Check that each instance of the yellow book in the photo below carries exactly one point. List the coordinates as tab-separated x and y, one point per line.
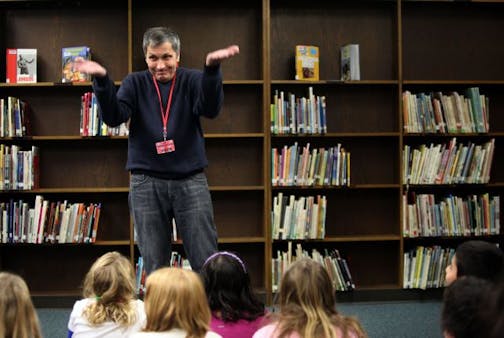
313	162
307	63
418	267
323	166
454	164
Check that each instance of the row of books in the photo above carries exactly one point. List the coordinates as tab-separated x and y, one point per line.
295	166
448	163
298	115
19	169
14	117
176	260
436	112
424	267
307	62
91	123
451	216
335	265
21	64
15	121
302	218
49	222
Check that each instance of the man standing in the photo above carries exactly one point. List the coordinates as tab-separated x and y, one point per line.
166	148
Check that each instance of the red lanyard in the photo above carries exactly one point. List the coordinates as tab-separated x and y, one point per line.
164	115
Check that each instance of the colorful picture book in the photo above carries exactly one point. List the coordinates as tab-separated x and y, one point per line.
68	55
350	68
307	63
21	65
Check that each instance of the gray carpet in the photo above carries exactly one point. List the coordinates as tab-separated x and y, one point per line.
397	319
380	320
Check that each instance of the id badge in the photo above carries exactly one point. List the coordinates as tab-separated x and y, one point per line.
164	147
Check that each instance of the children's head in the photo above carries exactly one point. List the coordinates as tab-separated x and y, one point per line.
498	297
476	258
227	284
466	310
18	317
111	282
306	283
175	298
110	279
307	301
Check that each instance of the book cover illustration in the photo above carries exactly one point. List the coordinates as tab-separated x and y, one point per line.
68	55
307	63
21	65
350	68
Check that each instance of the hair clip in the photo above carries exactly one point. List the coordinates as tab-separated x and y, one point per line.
226	253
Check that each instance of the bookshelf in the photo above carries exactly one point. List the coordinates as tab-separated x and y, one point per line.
404	45
445	67
361	115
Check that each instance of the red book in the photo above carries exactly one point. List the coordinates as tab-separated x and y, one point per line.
21	65
11	74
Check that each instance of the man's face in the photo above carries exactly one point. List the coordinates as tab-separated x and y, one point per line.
162	61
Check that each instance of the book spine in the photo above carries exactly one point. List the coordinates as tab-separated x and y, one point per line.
11	69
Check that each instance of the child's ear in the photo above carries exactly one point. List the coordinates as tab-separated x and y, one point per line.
447	334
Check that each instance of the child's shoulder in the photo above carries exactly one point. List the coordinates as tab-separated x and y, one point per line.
140	310
211	334
82	303
138	302
266	331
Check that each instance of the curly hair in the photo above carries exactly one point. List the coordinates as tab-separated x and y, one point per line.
111	282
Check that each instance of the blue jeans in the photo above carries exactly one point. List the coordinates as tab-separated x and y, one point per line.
154	202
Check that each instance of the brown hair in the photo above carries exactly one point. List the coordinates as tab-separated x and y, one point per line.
111	281
18	318
175	298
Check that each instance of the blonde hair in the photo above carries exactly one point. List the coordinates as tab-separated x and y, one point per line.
354	326
18	318
175	298
111	282
308	304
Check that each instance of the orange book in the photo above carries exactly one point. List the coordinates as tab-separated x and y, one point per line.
68	55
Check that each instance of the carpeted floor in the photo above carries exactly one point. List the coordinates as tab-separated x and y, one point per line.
381	320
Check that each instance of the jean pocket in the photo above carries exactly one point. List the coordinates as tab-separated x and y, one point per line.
138	179
199	178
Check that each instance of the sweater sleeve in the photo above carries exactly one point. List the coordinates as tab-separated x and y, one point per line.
114	107
211	93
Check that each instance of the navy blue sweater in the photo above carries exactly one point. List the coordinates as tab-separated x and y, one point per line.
196	93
